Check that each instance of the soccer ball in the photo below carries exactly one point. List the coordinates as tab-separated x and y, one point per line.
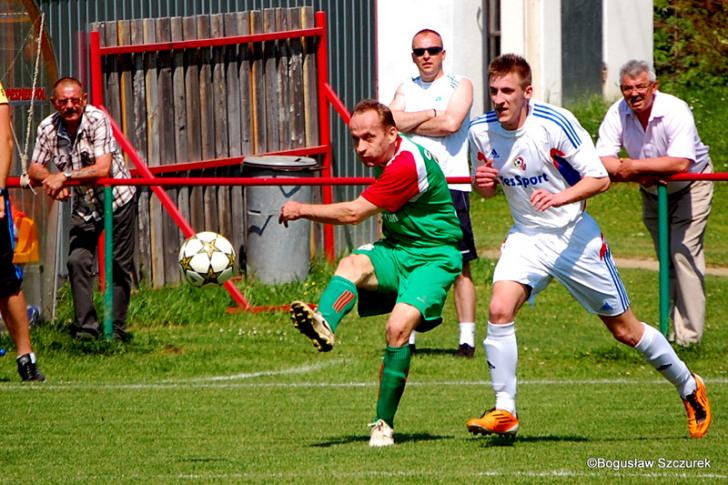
207	258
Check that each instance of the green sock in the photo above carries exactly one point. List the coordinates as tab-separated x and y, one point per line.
338	299
392	381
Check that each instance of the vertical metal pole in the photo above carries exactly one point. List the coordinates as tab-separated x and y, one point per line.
322	65
664	256
97	90
108	267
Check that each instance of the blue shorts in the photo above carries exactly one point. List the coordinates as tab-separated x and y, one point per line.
461	200
11	275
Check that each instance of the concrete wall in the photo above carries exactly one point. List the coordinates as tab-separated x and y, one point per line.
459	22
532	28
628	34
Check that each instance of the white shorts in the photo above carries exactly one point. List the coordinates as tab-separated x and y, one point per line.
577	256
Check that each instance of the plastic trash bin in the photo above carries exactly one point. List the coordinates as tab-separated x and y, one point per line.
274	253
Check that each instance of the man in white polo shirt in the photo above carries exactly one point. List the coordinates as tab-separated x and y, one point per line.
658	133
433	109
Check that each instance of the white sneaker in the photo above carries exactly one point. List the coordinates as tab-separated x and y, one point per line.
312	325
382	434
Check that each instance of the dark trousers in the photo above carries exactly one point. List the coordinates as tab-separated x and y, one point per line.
83	242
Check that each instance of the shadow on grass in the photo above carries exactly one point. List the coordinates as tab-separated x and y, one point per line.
202	459
426	352
399	438
505	441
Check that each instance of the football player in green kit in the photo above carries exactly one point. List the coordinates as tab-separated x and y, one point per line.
408	272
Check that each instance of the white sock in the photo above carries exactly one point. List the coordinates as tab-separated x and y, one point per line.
655	348
467	333
413	337
501	351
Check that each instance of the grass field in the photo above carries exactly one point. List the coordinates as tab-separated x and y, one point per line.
205	396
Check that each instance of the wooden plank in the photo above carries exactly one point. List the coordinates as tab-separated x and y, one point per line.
139	97
192	89
179	94
215	196
310	91
232	85
126	67
246	108
139	135
283	96
172	235
192	98
207	117
207	126
166	96
237	193
168	155
231	23
219	87
258	85
295	83
109	37
156	233
271	82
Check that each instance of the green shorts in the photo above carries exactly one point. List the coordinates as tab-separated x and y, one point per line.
420	277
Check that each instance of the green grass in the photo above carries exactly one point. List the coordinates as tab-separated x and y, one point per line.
206	396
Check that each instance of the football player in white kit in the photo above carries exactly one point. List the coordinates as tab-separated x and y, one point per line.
547	166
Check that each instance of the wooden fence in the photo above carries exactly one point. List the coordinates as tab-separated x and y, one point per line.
211	104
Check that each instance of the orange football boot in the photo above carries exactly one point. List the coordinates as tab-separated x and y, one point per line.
494	421
698	409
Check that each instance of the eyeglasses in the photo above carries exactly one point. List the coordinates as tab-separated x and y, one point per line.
63	102
433	51
640	88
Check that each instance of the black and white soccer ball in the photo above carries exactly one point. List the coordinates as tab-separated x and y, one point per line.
206	258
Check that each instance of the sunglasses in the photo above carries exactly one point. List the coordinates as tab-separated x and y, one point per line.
433	51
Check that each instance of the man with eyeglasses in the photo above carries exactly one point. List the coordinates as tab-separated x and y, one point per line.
434	110
659	135
78	141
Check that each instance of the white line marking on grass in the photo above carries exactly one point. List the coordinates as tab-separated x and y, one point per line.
228	382
304	369
436	477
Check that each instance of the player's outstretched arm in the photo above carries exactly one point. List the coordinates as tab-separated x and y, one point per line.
582	190
350	212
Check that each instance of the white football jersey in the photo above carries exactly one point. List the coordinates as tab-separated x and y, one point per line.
551	151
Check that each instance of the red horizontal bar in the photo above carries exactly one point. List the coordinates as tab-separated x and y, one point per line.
228	162
215	42
231	181
699	176
14	182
